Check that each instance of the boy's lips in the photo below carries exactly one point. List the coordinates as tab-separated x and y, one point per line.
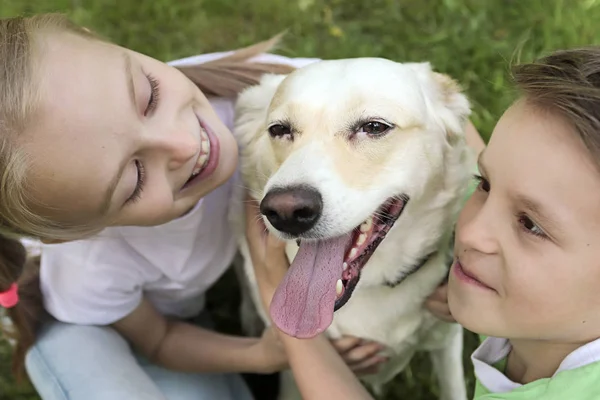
464	275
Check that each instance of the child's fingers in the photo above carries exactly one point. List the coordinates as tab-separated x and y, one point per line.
345	343
437	307
369	365
368	371
255	227
257	232
440	293
440	310
275	246
360	353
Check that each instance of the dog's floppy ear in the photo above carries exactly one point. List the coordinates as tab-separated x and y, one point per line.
450	104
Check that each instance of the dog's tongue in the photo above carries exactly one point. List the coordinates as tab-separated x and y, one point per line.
303	303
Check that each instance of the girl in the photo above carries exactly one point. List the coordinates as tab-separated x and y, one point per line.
123	168
526	270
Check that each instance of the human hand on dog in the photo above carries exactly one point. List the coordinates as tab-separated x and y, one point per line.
437	303
271	352
266	251
361	356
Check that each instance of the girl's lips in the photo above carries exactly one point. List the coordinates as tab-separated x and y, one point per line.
467	277
213	159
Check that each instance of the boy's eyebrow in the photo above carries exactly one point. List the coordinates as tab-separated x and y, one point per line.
106	203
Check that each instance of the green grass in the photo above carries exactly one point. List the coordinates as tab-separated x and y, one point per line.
472	40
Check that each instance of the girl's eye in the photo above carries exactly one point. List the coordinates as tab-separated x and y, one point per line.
139	187
154	93
483	184
529	226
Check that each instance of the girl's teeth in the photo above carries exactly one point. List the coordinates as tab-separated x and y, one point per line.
196	171
201	161
204	142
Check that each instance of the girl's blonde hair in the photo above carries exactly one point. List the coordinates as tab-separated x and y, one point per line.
19	48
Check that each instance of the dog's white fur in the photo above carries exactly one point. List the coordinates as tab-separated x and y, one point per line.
424	156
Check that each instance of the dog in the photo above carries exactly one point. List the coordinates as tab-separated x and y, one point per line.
361	165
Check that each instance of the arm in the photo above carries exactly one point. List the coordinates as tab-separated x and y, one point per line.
185	347
319	370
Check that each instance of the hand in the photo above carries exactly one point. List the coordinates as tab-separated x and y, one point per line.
267	253
271	352
437	303
361	356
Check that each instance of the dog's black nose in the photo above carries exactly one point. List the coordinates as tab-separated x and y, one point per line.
293	210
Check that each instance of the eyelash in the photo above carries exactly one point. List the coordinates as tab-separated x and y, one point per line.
480	182
154	95
522	218
139	187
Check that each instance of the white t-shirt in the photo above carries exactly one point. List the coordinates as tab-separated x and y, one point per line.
100	280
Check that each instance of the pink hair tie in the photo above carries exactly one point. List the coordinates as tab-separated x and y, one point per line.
10	297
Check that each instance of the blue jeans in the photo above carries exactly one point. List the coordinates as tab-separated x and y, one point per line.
77	362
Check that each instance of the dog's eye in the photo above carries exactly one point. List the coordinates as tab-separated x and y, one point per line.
374	128
279	130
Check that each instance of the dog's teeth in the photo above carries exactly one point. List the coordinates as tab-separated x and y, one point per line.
339	287
345	266
361	239
353	253
366	226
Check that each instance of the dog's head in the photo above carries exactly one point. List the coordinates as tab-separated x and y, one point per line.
334	154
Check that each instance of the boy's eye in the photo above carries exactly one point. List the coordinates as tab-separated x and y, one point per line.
483	184
154	94
529	226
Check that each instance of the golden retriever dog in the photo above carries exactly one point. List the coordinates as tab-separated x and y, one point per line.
362	166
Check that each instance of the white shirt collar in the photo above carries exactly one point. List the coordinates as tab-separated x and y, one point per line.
494	349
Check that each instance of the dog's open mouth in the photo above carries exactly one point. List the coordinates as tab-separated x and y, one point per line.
325	272
365	239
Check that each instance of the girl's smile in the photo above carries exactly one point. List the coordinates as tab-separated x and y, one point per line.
157	144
